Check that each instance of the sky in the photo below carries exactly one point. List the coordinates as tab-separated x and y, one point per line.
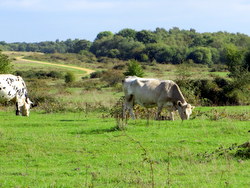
49	20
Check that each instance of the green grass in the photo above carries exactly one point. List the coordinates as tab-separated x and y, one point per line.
81	150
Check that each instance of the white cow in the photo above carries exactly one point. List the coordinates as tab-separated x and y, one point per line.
149	92
13	88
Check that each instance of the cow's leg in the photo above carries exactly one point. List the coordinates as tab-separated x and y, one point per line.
128	107
17	109
171	115
158	115
131	112
129	104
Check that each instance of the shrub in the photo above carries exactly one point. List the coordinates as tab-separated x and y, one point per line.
5	66
39	74
119	67
96	74
134	69
69	77
112	77
218	91
54	74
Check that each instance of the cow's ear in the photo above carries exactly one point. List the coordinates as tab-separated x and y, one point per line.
179	103
33	105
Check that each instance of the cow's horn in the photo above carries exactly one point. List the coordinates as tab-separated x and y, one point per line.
179	103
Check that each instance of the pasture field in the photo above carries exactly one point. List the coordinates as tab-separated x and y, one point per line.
85	149
23	60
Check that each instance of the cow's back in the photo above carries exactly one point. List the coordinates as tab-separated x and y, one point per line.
11	86
144	91
150	92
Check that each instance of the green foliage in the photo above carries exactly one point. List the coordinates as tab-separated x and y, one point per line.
238	64
39	74
201	55
234	57
69	77
163	46
218	91
117	47
81	45
183	73
104	34
247	61
127	33
112	77
96	74
134	69
145	36
5	66
68	46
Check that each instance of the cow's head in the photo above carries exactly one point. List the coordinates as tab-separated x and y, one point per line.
185	110
25	110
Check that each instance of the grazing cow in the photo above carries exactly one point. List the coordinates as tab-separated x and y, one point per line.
13	88
149	92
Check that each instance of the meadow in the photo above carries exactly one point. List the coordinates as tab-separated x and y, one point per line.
86	149
72	139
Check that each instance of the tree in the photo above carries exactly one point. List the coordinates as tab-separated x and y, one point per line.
127	33
247	61
134	69
145	37
104	34
234	60
81	45
201	55
5	66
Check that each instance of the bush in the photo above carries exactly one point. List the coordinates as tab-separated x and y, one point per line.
218	91
5	66
96	74
134	69
69	77
112	77
55	74
38	74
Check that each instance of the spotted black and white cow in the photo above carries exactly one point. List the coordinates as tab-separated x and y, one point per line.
13	88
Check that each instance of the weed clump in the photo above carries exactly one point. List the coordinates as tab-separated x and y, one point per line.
241	151
117	113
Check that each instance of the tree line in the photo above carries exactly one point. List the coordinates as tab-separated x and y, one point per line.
173	46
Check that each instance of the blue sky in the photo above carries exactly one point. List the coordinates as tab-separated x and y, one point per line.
48	20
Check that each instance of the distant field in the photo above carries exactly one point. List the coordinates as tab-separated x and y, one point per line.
21	64
161	71
85	150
